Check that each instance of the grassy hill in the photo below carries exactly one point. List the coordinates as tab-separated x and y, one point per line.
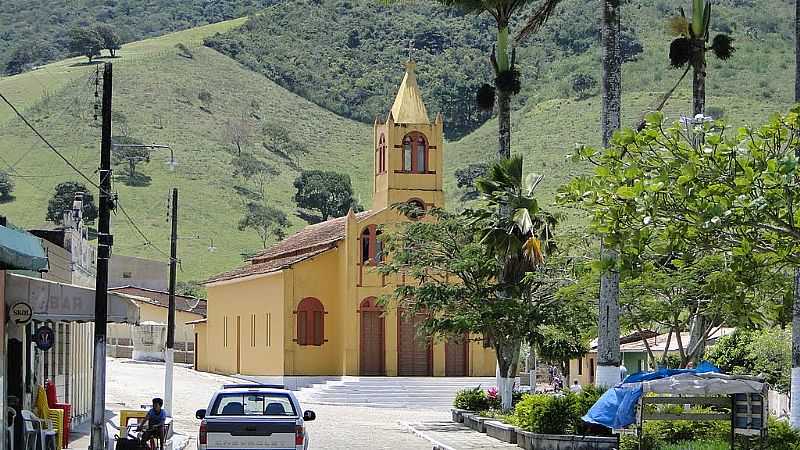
158	89
36	30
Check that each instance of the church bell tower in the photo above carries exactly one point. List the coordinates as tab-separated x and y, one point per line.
409	160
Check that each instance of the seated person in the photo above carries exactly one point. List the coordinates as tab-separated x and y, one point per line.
153	423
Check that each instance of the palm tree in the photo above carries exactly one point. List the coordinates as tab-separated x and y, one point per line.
608	352
503	57
519	235
690	47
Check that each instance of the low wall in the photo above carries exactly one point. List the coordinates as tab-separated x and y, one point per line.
533	441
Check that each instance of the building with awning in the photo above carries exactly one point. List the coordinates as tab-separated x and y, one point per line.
58	302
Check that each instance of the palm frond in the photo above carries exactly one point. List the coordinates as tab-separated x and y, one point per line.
532	249
537	20
722	46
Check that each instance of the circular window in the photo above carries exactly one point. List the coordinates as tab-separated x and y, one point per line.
416	209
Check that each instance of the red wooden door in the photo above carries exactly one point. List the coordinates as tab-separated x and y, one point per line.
414	356
455	357
372	353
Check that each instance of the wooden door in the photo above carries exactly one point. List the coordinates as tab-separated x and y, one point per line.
373	349
414	355
455	357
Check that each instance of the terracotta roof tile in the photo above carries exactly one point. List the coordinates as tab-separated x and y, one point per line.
308	239
160	298
306	243
270	266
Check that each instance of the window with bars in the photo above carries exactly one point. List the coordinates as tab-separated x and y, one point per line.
310	322
371	246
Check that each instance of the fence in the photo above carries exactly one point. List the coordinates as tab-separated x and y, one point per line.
778	405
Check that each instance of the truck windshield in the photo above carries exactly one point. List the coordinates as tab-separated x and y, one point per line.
253	404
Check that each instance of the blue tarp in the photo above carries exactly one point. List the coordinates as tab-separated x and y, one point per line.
21	250
616	408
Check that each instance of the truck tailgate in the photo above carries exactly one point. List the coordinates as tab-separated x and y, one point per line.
249	434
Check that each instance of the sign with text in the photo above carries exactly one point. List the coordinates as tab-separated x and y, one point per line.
20	313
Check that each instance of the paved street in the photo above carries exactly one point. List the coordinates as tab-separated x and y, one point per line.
131	384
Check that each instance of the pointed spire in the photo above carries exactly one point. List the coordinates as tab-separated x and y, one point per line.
408	106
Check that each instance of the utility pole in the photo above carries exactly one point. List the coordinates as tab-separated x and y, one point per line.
104	242
170	351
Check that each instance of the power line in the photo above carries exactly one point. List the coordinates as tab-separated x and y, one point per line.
133	223
60	155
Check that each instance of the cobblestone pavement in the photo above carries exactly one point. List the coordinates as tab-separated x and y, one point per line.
446	435
130	385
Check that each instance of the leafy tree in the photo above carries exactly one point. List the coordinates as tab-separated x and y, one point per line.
266	221
253	169
483	271
466	178
749	352
583	84
330	193
62	200
21	60
129	153
6	186
697	187
111	40
689	49
86	42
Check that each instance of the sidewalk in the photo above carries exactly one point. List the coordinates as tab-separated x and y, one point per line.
447	435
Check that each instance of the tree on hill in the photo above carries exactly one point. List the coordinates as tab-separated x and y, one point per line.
111	40
466	178
253	169
126	151
330	193
86	42
238	131
266	221
6	186
62	199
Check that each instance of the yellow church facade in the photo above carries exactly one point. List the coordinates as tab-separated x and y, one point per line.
308	306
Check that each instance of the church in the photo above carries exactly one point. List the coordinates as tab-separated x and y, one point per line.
308	306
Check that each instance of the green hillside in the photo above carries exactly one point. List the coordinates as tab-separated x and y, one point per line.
157	90
189	97
36	30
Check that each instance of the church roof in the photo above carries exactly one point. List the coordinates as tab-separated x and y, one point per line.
306	243
408	106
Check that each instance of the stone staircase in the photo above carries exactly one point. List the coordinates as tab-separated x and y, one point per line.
392	392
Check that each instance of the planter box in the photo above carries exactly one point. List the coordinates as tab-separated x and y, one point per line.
458	414
502	431
477	423
531	441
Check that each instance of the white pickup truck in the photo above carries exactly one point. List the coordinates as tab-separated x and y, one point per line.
250	417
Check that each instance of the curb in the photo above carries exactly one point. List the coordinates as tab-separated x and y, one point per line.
436	444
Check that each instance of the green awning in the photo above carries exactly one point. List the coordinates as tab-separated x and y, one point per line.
20	250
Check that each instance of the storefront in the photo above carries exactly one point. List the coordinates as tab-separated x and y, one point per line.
68	311
18	251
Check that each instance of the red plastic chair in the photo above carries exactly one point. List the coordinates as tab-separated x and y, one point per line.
52	401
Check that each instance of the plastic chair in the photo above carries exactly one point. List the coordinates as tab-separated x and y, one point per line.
52	402
54	417
36	432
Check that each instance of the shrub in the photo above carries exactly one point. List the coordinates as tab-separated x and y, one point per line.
766	352
471	399
584	400
780	436
547	414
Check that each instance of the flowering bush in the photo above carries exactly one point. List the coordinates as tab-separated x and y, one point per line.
471	399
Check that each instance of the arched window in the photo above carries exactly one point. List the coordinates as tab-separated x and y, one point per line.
310	322
380	160
371	246
415	153
416	210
